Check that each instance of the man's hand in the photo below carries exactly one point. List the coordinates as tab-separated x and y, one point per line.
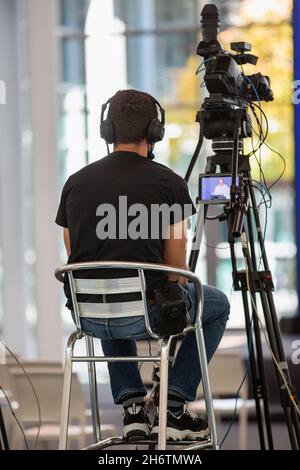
180	279
175	249
67	241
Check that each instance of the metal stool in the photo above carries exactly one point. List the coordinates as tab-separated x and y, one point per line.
127	309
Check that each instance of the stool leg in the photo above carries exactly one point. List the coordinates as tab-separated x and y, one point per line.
206	385
65	409
93	389
163	394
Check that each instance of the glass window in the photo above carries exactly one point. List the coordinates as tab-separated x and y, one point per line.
73	13
176	13
71	90
72	60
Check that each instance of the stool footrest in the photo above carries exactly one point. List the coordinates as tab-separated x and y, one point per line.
113	441
116	359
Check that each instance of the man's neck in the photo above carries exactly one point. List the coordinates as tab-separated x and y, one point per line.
140	148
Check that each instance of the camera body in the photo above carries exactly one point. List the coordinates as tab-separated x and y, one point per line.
171	309
223	75
229	88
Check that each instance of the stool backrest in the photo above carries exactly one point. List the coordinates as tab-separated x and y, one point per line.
106	286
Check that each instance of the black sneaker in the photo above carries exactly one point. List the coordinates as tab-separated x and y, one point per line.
186	426
136	423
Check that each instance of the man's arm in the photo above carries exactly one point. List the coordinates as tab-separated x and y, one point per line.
67	241
175	249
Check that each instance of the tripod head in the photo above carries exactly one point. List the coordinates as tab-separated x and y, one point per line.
220	113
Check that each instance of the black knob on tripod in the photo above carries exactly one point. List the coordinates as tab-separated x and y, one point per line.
237	225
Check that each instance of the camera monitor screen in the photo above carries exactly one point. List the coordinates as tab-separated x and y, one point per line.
215	189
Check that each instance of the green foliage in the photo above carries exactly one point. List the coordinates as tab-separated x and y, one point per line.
272	43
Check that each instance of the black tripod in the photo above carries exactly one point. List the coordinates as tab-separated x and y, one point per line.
243	219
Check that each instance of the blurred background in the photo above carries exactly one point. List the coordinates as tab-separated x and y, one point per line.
60	60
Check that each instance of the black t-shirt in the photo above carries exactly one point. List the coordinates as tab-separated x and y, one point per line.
93	194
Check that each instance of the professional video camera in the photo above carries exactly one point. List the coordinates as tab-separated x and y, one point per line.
224	118
228	86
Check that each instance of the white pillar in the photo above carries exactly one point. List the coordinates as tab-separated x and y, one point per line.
11	187
42	22
105	50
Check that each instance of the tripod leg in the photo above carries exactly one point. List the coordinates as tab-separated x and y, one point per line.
197	236
274	348
263	387
295	420
200	119
283	363
254	372
273	332
252	267
255	350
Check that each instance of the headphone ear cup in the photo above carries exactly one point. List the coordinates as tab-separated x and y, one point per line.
107	131
156	131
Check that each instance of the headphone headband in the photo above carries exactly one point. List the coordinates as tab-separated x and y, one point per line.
161	110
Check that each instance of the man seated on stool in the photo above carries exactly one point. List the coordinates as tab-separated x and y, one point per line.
134	122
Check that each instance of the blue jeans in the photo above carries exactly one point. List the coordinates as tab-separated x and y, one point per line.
118	339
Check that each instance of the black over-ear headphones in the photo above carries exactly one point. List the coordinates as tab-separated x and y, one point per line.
156	128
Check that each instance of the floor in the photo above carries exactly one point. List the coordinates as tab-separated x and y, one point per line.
113	415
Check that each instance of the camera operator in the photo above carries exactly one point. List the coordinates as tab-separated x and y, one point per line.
133	118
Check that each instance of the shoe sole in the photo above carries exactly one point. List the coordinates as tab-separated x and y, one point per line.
136	431
185	435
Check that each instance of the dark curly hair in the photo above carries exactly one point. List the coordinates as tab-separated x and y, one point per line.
131	112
